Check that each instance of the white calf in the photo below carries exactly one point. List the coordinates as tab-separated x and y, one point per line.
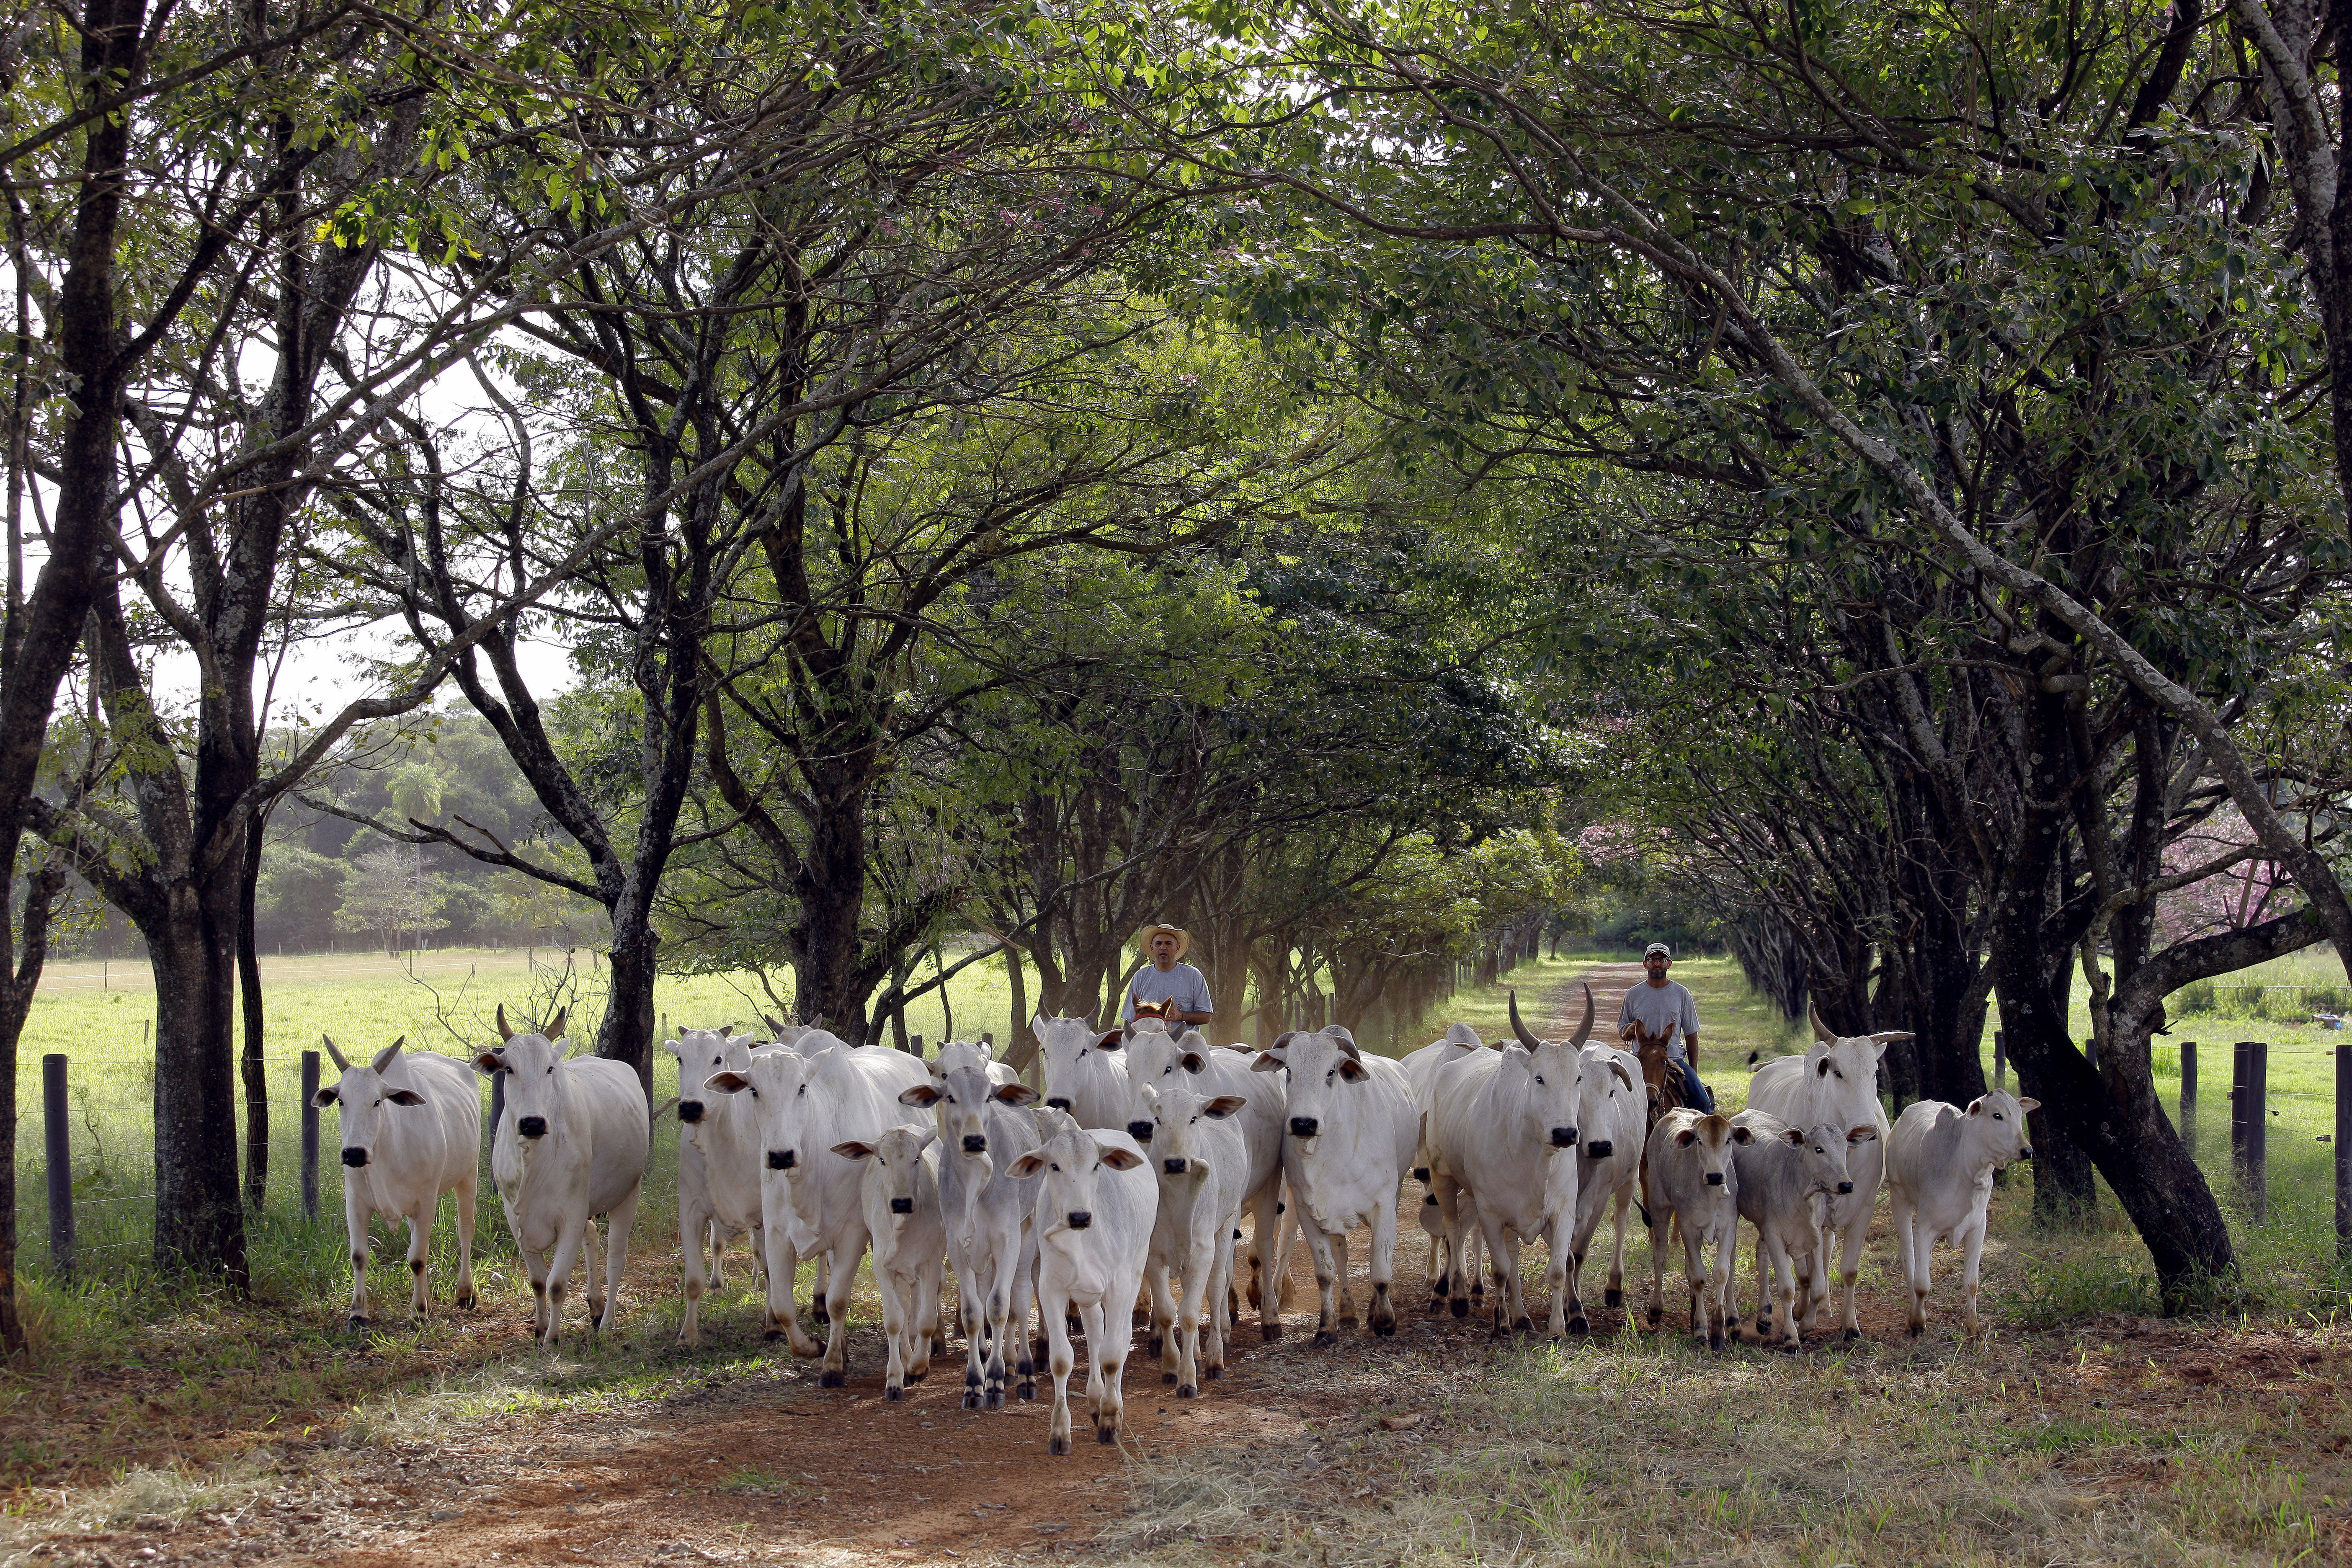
1420	1069
1096	1206
1785	1176
1939	1165
900	1196
1082	1071
718	1162
1203	1166
412	1131
1611	1109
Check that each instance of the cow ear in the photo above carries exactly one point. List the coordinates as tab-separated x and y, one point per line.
405	1097
676	1048
1793	1136
1026	1166
1268	1062
1111	1041
854	1150
1282	1039
1193	1062
1352	1071
1224	1105
1743	1135
921	1094
727	1082
1861	1134
1037	1028
1685	1137
1976	1108
488	1062
1014	1094
324	1098
1120	1159
1822	1068
2029	1105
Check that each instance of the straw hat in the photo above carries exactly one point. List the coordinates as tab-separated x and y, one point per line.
1183	940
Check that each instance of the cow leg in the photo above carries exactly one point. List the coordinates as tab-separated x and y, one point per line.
841	1273
895	1320
818	1288
465	1191
1266	1238
1054	1309
1220	1281
693	1227
1694	1271
1615	1296
1971	1254
1165	1321
535	1264
929	1286
616	1254
420	1254
1347	1317
568	1242
355	1224
1907	1259
1660	1221
1185	1332
1436	1275
593	1282
1763	1289
1849	1273
1461	1221
1318	1247
1109	1354
1784	1296
1381	1265
783	1314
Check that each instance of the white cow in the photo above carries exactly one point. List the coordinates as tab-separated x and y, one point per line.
718	1162
1082	1069
572	1145
1939	1166
1502	1125
1155	1060
1612	1117
1096	1206
809	1196
1836	1080
1690	1181
900	1196
412	1131
1352	1134
1420	1067
991	1244
1201	1161
1787	1176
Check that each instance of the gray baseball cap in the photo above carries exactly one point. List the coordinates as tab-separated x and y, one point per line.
1657	950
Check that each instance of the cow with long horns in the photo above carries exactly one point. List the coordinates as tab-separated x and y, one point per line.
411	1132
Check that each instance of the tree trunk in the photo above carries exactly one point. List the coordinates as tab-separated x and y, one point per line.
41	891
199	1223
832	896
1019	980
257	1080
627	1034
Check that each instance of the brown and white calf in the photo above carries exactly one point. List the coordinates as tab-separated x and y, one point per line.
1690	1180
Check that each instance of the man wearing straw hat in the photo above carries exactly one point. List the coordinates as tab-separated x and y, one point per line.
1167	976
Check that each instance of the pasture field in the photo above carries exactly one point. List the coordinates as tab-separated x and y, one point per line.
180	1423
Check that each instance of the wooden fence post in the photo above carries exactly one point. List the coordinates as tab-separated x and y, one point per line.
56	1127
2248	1062
914	1044
2258	1133
1999	1059
2189	1096
310	1135
2342	1155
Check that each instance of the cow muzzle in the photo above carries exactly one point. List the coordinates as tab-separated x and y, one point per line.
1601	1148
2026	1153
689	1110
354	1158
1175	1167
1304	1126
532	1126
1563	1137
1844	1187
1081	1219
975	1143
1057	1102
1139	1131
1715	1178
783	1159
902	1205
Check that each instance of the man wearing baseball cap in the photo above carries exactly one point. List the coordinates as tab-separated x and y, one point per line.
1167	976
1664	1006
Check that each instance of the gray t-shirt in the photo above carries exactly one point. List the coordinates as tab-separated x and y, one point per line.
1661	1010
1183	981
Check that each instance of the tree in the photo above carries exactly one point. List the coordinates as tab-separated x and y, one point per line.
389	892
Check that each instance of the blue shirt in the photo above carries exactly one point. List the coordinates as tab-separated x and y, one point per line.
1151	987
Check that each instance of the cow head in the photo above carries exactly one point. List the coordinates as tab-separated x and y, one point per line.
781	1085
897	1185
1176	1110
1606	1078
1318	1066
1157	1059
1846	1063
534	1098
1996	1123
1071	1165
1070	1050
1551	1079
1709	1139
700	1053
1821	1154
959	1095
366	1094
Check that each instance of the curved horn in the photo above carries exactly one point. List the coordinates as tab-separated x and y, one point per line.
555	1029
1584	1030
384	1058
1527	1036
506	1030
1814	1015
341	1064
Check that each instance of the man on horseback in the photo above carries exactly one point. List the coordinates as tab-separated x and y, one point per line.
1663	1008
1167	978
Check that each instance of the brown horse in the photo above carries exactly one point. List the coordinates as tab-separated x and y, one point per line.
1658	1076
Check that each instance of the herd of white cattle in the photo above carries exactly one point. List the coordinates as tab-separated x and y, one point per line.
1124	1181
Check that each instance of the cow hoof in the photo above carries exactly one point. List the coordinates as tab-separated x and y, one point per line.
996	1399
893	1394
1461	1307
1324	1338
1437	1306
772	1335
833	1380
1789	1347
1156	1347
1166	1376
1521	1325
817	1312
1028	1391
1852	1335
1270	1331
1385	1329
1214	1373
972	1399
1613	1298
465	1301
1057	1444
359	1323
1918	1329
1578	1326
1106	1436
1714	1342
1186	1391
918	1376
1654	1314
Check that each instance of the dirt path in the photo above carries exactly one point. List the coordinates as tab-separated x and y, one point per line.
756	1464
